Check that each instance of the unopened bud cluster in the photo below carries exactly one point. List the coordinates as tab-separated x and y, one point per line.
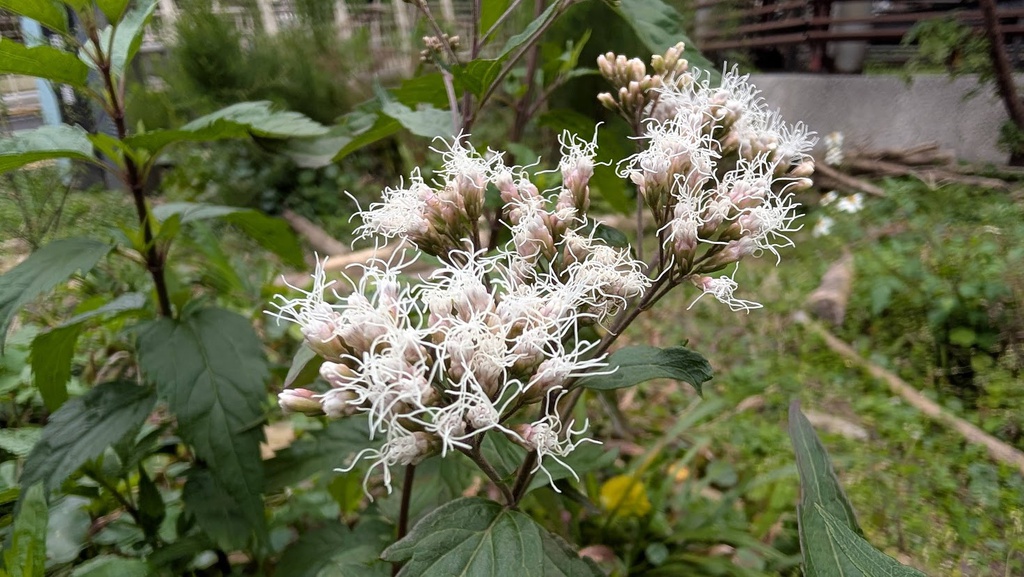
435	47
635	89
717	169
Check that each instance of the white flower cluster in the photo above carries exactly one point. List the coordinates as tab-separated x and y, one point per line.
718	170
435	364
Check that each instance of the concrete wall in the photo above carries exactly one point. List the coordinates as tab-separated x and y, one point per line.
886	112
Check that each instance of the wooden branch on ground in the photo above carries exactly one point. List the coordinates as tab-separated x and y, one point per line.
931	176
997	450
318	238
827	177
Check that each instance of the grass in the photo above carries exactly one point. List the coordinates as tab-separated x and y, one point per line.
922	494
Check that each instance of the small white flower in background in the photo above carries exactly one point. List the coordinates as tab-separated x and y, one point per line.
823	227
834	149
829	197
851	204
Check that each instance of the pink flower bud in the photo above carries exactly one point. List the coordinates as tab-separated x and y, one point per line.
299	401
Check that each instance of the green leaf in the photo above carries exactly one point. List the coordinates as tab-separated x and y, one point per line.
336	550
25	555
52	352
210	368
660	26
42	62
560	560
152	509
19	441
425	121
490	12
113	9
316	452
49	13
51	356
470	536
83	428
518	40
298	375
45	143
43	270
215	509
112	566
840	552
68	529
271	233
818	481
637	364
242	120
128	36
478	75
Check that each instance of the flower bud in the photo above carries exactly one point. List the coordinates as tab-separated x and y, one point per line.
299	401
338	403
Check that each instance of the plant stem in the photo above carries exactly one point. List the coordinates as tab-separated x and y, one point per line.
403	513
135	180
477	457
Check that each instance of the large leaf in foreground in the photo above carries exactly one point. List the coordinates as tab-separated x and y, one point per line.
43	270
334	549
210	368
45	143
470	536
43	62
830	539
637	364
128	36
236	121
215	510
83	428
660	26
474	536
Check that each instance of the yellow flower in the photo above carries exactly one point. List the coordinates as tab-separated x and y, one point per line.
626	496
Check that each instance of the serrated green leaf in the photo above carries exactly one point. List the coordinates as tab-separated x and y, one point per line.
128	36
49	13
83	428
336	550
660	26
210	368
316	452
25	555
637	364
113	9
45	143
43	270
216	511
271	233
51	357
42	62
471	536
298	375
113	566
242	120
840	552
19	441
